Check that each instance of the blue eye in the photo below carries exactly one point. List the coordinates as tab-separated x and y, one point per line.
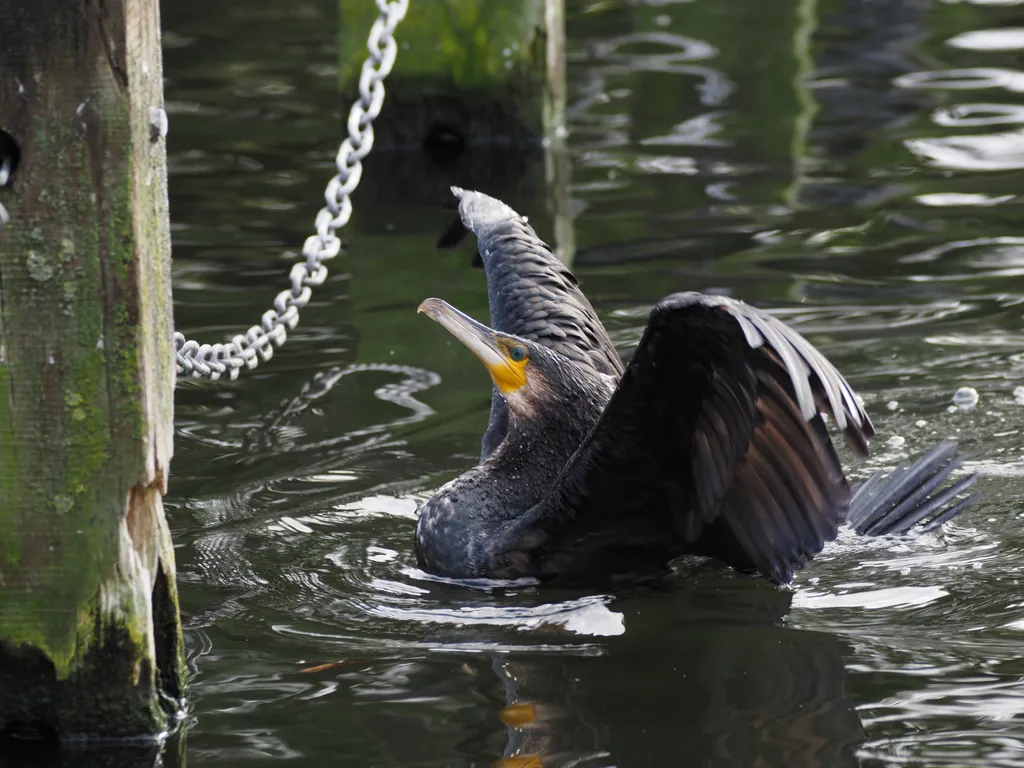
517	353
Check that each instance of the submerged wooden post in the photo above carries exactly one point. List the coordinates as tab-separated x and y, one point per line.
90	638
467	70
472	76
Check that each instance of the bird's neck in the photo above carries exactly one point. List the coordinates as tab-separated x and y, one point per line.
541	439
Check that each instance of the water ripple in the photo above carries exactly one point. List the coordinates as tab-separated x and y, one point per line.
971	79
676	49
874	210
988	152
1005	39
584	616
975	115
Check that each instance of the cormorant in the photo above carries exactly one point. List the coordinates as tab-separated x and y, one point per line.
711	442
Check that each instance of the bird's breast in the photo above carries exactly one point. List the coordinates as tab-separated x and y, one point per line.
449	533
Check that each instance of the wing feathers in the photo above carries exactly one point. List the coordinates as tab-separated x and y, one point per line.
779	528
788	488
799	373
763	460
772	476
753	336
801	359
714	433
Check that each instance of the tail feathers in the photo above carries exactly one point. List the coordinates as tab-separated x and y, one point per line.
897	502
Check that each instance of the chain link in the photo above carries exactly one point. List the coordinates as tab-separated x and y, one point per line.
258	343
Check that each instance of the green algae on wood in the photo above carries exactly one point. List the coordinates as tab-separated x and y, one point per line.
470	76
90	639
476	69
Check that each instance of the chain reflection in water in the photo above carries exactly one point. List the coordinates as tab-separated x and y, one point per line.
400	393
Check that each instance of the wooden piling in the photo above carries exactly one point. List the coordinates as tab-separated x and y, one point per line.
467	70
476	98
90	637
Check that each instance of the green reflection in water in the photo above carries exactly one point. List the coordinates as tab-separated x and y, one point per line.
799	189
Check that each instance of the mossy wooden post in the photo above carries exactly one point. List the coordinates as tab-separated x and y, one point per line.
471	76
473	70
90	639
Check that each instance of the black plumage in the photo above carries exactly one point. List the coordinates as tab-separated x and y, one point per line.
712	441
530	292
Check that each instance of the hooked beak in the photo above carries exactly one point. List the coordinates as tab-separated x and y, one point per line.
480	340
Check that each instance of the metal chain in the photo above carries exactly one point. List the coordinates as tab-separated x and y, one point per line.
211	360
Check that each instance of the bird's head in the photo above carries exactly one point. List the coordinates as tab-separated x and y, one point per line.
528	375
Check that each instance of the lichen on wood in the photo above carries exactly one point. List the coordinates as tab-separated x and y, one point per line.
87	591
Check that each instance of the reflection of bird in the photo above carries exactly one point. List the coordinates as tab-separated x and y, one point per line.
712	442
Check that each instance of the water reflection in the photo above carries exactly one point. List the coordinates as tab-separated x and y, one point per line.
19	755
719	682
990	152
726	694
735	705
972	115
853	166
973	79
989	40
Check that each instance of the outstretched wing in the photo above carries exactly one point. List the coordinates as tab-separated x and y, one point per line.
712	444
531	293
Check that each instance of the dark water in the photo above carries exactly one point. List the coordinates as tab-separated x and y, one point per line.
856	164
